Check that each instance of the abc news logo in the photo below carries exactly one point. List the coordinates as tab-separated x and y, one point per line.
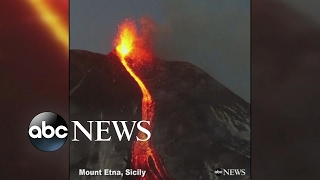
48	131
229	172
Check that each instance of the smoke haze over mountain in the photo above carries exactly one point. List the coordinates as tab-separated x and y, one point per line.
214	35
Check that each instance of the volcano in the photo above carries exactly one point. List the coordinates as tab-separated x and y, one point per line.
199	124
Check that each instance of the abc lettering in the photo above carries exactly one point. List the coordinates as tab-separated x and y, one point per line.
43	131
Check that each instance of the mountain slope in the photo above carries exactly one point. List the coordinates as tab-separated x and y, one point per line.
199	124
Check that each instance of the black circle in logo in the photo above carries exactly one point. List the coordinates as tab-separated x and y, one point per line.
48	131
218	172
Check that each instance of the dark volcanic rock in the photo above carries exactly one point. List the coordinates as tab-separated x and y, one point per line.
95	75
199	124
100	89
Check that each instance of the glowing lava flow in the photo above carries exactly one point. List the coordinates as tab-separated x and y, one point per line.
144	155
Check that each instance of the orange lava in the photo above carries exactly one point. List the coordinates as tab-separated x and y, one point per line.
131	55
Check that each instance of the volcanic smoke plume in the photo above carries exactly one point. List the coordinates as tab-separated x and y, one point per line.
214	35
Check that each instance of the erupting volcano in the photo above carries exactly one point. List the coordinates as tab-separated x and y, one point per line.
132	55
196	123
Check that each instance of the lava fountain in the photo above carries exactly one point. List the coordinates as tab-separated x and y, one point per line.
132	55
